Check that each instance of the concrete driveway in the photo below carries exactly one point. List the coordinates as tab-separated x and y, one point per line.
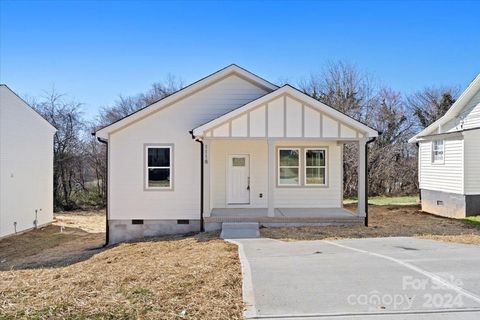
382	278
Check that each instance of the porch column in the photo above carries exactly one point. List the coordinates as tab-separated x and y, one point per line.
206	178
362	178
271	177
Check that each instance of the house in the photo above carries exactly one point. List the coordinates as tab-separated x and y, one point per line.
26	166
231	147
448	152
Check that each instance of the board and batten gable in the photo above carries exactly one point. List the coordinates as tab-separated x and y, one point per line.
171	125
285	113
447	176
26	165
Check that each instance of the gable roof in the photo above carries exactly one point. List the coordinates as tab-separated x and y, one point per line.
29	107
454	110
201	84
294	92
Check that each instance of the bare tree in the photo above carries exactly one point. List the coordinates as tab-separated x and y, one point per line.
430	104
343	87
68	146
125	106
391	153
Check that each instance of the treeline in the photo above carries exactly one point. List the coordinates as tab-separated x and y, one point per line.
79	160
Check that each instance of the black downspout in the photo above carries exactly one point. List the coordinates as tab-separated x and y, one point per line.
366	179
107	229
202	227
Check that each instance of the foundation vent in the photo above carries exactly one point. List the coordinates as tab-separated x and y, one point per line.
137	221
439	203
183	221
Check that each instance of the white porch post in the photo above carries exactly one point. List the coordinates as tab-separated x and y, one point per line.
271	177
206	178
362	177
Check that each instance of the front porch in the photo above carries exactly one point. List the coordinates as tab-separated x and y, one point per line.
282	217
279	161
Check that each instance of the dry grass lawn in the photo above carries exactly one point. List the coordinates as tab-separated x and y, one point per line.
388	221
48	274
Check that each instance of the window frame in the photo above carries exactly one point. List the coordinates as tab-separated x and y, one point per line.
433	149
302	167
280	167
146	167
305	166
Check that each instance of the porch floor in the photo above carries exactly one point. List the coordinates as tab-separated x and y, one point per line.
283	215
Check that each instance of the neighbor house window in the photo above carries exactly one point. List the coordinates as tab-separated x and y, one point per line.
315	167
288	167
438	151
159	167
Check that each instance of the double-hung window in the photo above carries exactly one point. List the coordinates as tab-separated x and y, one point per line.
315	167
438	151
302	167
159	167
289	167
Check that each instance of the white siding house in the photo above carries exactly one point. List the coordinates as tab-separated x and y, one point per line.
230	147
26	166
449	152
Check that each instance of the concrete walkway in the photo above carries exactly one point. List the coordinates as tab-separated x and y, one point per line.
383	278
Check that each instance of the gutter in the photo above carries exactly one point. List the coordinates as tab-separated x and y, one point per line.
107	228
366	178
202	156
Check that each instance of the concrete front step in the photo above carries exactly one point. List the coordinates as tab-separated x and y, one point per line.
240	230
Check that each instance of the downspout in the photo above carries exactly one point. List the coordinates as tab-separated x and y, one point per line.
366	179
419	173
107	228
202	227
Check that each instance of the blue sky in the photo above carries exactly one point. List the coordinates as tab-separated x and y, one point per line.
94	51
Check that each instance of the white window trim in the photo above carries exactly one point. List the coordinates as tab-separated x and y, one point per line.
158	146
305	167
299	167
442	161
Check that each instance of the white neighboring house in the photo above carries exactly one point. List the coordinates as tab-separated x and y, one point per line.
26	166
231	147
448	158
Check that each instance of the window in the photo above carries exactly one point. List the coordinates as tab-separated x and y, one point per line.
289	167
315	166
438	151
159	167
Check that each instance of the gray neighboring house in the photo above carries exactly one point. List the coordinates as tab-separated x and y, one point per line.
448	158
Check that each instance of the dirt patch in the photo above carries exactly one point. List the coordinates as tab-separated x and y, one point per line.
89	221
387	221
62	272
68	240
196	277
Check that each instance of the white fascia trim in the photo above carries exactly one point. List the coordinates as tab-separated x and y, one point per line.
464	98
199	131
196	86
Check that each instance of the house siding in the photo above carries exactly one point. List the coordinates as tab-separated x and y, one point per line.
472	162
127	197
26	166
446	177
329	196
471	115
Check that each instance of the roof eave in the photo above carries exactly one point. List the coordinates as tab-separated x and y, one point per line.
178	95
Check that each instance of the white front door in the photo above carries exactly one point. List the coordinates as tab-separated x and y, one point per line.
238	184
